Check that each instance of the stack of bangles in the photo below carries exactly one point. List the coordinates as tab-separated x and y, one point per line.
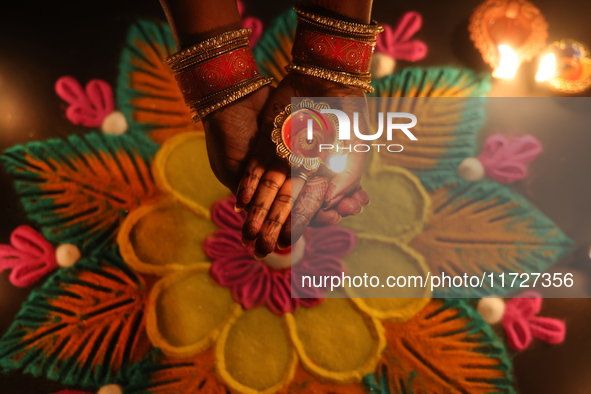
216	72
333	49
222	69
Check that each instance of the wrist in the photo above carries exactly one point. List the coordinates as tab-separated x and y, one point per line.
194	21
186	40
353	11
333	49
216	72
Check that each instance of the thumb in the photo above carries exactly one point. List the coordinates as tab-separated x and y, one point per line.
345	182
341	185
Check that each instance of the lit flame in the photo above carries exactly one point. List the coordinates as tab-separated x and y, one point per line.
509	63
337	163
547	67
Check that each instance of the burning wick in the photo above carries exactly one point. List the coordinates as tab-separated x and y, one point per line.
508	64
547	67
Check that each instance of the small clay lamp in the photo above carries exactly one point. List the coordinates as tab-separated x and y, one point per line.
566	65
295	145
508	33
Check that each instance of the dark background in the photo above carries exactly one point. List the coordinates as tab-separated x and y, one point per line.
42	40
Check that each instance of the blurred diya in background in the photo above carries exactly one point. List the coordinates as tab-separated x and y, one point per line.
566	66
508	33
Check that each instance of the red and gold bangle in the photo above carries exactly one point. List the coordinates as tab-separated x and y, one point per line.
216	72
332	52
332	49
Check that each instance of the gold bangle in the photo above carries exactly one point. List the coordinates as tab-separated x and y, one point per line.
357	81
343	26
363	77
208	45
371	38
202	109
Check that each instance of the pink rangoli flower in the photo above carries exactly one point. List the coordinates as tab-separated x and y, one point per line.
255	283
30	256
89	106
522	324
504	158
252	23
397	43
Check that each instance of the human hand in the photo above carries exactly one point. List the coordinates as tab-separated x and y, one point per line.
268	191
231	134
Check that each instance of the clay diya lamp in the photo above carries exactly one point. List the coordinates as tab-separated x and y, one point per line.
508	33
299	132
566	65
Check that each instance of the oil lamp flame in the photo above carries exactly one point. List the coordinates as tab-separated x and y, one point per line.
508	64
337	163
547	67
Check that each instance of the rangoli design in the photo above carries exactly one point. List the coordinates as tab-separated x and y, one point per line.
165	299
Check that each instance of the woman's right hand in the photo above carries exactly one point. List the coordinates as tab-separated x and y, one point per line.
280	208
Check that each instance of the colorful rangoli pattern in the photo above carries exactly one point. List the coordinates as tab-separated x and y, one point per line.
165	299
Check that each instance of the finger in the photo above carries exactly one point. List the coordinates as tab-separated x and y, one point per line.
325	218
269	233
297	185
268	187
257	164
249	182
342	184
347	181
284	240
361	196
352	205
306	206
349	206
